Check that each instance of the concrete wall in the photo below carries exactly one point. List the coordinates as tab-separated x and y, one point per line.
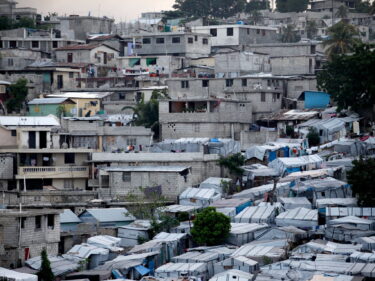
284	49
293	65
7	140
6	168
249	138
16	59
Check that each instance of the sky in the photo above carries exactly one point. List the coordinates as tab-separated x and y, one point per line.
121	10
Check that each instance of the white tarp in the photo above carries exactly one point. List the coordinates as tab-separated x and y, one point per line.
299	217
309	162
16	276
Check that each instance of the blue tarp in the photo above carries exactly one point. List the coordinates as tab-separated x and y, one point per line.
117	274
292	170
271	156
142	270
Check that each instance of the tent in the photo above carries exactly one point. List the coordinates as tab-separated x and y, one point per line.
6	274
299	217
257	214
199	197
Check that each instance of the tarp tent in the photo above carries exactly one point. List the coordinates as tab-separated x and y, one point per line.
199	197
257	214
6	274
294	164
295	202
299	217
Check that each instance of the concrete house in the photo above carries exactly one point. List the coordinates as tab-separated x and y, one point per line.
145	181
204	117
98	54
237	35
52	106
185	44
24	234
8	8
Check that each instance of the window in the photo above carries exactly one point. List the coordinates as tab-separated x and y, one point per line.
23	221
213	32
146	40
196	38
205	83
229	82
131	141
190	40
230	31
34	44
197	128
55	44
38	222
126	176
71	74
176	40
160	40
278	96
51	221
248	31
10	62
14	133
263	32
1	44
12	44
258	31
185	84
274	97
69	158
70	57
205	41
262	97
244	82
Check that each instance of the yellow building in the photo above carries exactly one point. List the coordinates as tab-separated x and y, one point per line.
87	103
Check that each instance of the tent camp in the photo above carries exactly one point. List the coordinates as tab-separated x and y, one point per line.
299	217
257	214
199	197
289	165
6	274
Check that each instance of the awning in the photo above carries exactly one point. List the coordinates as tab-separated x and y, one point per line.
134	61
150	61
142	270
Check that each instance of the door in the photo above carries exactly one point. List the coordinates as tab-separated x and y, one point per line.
32	140
43	139
60	82
105	58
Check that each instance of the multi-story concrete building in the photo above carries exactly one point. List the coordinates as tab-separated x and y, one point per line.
8	8
204	117
185	44
25	233
238	35
79	27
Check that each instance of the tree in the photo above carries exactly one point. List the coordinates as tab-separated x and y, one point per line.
18	94
286	6
289	35
233	163
208	9
255	17
362	178
5	23
311	29
350	79
24	22
342	39
50	16
256	5
45	273
210	227
342	12
313	137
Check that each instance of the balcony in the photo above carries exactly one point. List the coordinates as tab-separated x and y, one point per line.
54	172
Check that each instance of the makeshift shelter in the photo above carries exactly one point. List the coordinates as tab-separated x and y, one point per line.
295	164
256	193
257	214
348	228
328	129
368	243
209	258
59	265
92	275
130	233
217	184
241	233
258	252
233	274
176	270
238	203
174	210
339	212
94	254
107	242
349	147
6	274
299	217
323	203
290	233
199	197
295	202
324	246
362	257
69	221
258	174
240	263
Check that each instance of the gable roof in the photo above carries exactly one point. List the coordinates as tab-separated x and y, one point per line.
81	47
69	217
110	214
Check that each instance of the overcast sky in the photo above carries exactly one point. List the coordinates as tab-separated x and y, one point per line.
118	9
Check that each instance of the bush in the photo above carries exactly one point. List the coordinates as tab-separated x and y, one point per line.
210	227
313	137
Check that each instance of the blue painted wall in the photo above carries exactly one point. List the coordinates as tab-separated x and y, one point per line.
316	99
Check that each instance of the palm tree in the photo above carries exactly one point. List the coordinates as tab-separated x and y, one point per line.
288	34
311	29
342	39
342	12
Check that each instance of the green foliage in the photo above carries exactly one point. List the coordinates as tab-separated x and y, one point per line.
163	223
18	93
209	8
313	137
5	23
45	273
256	5
60	111
342	12
183	216
286	6
289	131
141	240
233	163
350	79
255	17
364	6
362	178
343	37
311	29
289	35
210	227
145	210
24	22
266	260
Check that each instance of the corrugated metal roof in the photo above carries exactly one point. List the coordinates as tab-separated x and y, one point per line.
256	214
258	251
164	236
85	250
350	211
350	220
49	120
160	169
177	208
299	214
111	214
69	217
181	267
294	200
240	228
59	265
227	203
198	193
232	274
48	101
